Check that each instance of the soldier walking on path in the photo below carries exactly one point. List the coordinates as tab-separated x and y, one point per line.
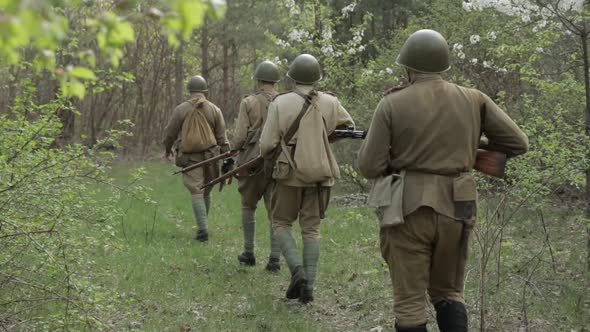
254	185
196	132
427	135
298	124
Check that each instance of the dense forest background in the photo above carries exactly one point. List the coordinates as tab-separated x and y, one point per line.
86	82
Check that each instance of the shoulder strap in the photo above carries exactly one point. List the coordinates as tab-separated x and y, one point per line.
199	105
394	89
194	103
482	116
295	125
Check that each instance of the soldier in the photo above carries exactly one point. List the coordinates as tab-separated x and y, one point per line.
210	134
254	185
428	133
295	196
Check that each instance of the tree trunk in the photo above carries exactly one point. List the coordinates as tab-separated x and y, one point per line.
205	49
584	37
225	68
317	13
178	72
235	83
387	16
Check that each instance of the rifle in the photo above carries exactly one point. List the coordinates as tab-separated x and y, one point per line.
208	161
489	162
350	133
241	169
492	163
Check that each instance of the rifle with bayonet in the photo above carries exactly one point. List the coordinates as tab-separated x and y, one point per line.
208	161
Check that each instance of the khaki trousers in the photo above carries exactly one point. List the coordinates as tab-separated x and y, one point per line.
424	255
194	179
290	203
253	188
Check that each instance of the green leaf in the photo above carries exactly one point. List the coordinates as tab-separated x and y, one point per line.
84	73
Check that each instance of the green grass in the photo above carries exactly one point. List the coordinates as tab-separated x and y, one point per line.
172	283
164	280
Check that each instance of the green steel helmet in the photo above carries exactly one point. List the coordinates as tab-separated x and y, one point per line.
425	51
267	71
197	84
305	69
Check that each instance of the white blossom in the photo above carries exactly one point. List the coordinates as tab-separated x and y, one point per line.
282	43
502	70
487	64
539	50
389	70
461	55
492	36
327	34
47	53
351	51
473	61
348	9
357	36
368	72
467	6
361	48
457	47
540	26
298	35
293	10
327	49
524	8
474	39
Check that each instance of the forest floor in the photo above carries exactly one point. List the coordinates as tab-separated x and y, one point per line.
171	282
163	280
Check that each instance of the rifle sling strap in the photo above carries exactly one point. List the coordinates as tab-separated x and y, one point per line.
295	125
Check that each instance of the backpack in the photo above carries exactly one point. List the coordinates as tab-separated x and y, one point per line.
313	157
196	134
251	147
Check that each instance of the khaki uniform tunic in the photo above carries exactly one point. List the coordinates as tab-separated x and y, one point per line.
194	179
252	116
432	130
293	198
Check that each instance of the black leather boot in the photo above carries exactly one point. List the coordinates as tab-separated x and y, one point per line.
451	316
298	283
202	236
273	265
247	258
306	296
